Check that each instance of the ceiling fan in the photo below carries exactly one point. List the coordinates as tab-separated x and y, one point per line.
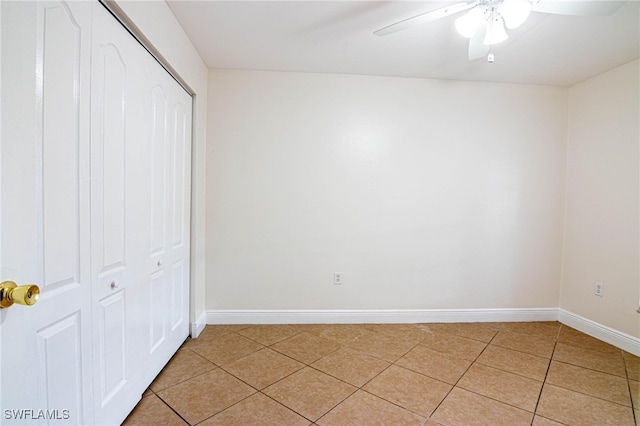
484	23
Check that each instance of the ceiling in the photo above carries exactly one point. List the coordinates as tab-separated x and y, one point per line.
337	37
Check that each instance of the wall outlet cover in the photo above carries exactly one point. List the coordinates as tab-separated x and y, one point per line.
599	288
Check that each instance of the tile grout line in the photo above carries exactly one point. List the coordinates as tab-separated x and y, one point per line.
456	384
626	377
462	375
360	388
287	407
500	369
221	367
544	381
226	408
346	346
189	378
270	344
636	420
172	409
408	369
304	365
198	375
588	368
590	395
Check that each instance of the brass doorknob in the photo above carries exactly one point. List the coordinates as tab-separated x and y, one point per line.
11	293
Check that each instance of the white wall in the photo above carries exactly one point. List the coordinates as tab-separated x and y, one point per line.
158	24
602	200
423	193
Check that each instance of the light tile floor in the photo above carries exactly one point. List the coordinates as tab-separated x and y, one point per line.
537	374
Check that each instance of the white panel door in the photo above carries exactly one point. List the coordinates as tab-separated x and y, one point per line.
140	168
169	190
45	350
179	224
119	216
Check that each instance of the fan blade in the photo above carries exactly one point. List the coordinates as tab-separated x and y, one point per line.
477	48
577	8
424	17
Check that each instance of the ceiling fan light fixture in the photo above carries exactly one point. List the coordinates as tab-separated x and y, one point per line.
468	24
495	31
514	12
485	20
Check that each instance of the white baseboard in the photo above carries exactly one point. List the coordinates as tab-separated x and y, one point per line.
198	326
616	338
369	316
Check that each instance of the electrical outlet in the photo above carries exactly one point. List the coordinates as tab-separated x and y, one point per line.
337	278
599	289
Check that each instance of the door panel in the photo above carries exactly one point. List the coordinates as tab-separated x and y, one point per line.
159	162
157	317
109	150
46	348
60	142
179	156
177	296
112	346
119	170
62	382
180	253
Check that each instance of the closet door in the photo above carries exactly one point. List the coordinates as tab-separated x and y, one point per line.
168	256
119	208
140	158
94	209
